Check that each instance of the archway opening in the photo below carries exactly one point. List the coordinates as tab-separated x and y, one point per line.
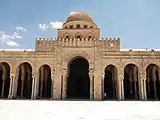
78	83
4	80
153	82
110	80
131	85
45	82
24	89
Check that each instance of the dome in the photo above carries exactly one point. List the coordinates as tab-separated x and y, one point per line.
79	16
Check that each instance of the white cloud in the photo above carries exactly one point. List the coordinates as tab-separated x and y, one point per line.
9	38
56	24
12	44
43	27
21	28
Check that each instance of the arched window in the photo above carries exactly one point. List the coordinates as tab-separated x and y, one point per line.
78	26
85	26
71	26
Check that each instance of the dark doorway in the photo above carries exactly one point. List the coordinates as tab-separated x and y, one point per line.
152	82
4	80
24	88
110	79
78	84
131	87
45	82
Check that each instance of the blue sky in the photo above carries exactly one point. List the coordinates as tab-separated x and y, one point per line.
135	22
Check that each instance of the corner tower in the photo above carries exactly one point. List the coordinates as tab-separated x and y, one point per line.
79	25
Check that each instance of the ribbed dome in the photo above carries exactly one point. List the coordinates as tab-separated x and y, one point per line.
79	16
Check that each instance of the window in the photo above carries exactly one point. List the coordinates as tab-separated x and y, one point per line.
78	26
85	26
89	37
67	37
71	26
78	36
66	27
91	26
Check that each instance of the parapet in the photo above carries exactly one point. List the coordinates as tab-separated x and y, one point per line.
110	44
77	42
44	44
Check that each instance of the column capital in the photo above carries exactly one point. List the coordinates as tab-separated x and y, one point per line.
143	75
91	71
12	75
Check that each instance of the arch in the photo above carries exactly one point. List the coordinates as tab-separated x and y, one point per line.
4	79
110	79
24	78
153	82
73	55
45	82
78	35
90	35
131	82
67	35
78	81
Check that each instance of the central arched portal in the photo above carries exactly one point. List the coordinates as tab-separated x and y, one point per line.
78	82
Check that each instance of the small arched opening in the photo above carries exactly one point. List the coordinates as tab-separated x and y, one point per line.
110	79
131	85
45	82
4	79
24	88
153	82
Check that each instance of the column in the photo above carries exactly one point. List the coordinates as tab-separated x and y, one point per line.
97	83
36	85
102	85
57	82
33	96
142	85
52	83
91	75
120	87
11	88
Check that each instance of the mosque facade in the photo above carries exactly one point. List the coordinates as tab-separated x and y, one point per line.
79	65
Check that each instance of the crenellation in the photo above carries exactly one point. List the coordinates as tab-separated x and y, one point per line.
110	44
44	44
79	42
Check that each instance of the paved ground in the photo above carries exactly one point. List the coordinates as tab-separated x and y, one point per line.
76	110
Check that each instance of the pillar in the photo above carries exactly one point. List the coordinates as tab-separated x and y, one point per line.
64	84
11	88
102	85
33	96
52	83
91	75
142	85
36	84
57	82
120	86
